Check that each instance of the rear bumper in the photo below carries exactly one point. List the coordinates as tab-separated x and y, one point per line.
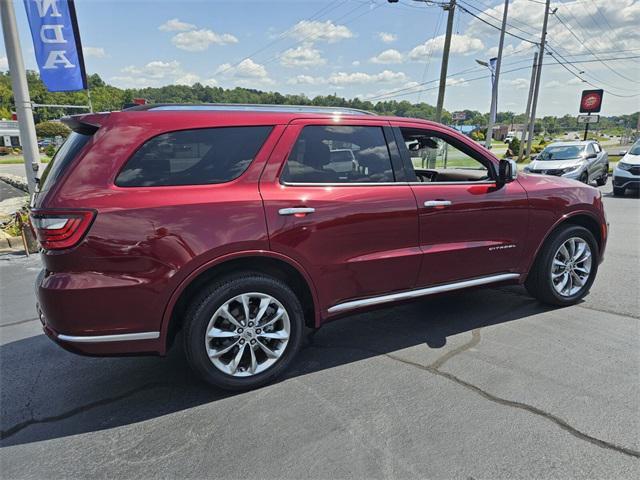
71	318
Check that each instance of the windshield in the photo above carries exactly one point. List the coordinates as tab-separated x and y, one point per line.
635	149
568	152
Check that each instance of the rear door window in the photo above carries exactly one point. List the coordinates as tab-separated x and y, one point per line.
339	154
194	157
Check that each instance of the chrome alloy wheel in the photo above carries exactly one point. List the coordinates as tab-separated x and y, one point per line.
571	266
247	334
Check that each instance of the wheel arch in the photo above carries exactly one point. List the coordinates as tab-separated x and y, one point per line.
581	218
270	263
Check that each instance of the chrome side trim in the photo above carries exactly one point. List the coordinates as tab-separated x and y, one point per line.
394	297
124	337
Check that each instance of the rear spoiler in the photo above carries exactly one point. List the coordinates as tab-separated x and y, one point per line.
87	124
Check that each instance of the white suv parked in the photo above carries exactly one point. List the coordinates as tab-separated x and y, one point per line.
627	171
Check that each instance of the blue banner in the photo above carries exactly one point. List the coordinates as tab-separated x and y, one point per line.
56	40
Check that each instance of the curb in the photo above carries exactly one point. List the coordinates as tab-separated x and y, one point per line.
11	244
15	181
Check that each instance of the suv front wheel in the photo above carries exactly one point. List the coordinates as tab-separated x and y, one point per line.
565	267
243	331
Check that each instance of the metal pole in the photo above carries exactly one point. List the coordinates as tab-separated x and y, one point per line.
534	104
526	115
445	59
20	92
586	127
494	90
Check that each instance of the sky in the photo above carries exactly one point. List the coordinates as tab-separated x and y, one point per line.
364	48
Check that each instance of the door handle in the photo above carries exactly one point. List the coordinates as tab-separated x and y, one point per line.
296	210
437	203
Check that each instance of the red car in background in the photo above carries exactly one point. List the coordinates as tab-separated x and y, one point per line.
241	225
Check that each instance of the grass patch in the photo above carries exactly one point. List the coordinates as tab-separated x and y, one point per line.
20	160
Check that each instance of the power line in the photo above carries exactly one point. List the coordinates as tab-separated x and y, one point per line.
583	43
495	26
497	19
392	94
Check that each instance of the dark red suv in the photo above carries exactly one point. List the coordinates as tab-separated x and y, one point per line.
240	225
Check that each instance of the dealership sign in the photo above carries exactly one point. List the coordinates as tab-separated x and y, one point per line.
588	118
591	101
56	40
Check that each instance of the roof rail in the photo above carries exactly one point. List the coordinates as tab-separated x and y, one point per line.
237	107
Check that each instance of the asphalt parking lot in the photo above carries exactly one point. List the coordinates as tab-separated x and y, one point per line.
480	384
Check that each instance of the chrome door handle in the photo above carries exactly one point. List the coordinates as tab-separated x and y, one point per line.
296	210
437	203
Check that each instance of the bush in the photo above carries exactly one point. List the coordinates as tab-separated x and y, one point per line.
477	135
52	129
50	150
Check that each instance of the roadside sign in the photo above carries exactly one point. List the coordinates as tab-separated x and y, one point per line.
458	116
588	118
591	101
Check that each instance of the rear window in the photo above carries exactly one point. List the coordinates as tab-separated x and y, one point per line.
61	160
194	157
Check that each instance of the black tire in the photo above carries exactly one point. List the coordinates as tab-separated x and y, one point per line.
207	303
539	284
618	192
603	179
584	178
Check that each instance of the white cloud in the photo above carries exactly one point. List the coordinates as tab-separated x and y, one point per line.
306	80
94	52
156	69
387	37
303	56
518	83
200	40
4	63
175	25
343	78
460	44
388	57
456	82
247	73
356	63
319	31
553	84
187	79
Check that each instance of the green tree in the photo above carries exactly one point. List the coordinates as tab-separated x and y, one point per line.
52	129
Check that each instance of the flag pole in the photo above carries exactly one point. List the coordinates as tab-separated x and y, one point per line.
21	97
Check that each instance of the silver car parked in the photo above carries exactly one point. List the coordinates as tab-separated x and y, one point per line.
583	161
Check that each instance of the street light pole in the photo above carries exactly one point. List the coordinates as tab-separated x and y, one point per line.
21	97
494	89
445	58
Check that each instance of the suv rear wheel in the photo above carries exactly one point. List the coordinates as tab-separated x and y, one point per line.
243	331
565	268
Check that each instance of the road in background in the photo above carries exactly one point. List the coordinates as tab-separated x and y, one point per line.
479	384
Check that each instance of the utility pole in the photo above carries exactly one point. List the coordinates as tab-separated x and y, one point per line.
526	115
20	92
445	58
494	88
534	103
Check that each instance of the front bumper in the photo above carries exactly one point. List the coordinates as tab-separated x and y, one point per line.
625	179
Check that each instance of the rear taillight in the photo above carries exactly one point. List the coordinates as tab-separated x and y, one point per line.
58	229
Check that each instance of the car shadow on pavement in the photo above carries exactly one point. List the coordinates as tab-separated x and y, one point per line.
48	393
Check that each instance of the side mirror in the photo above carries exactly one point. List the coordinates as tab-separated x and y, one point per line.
592	155
622	153
507	171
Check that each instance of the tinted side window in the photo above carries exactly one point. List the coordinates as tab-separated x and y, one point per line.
62	159
339	154
590	148
597	147
193	157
